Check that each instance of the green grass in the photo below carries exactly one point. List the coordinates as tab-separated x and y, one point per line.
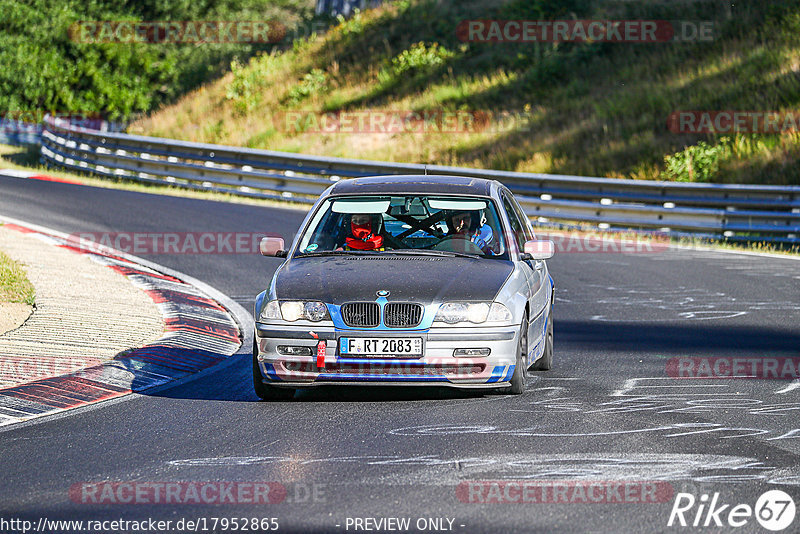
14	284
596	109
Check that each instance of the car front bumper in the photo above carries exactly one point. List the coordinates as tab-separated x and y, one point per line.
436	367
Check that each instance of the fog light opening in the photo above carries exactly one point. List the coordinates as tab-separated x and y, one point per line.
289	350
471	352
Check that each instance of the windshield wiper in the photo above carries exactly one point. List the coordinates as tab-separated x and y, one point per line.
336	253
431	252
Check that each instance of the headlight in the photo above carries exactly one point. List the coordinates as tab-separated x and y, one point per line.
472	312
314	311
293	310
499	314
270	312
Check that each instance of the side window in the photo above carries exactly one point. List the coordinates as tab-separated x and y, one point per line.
517	226
526	222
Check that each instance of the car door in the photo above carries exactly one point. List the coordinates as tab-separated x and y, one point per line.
535	272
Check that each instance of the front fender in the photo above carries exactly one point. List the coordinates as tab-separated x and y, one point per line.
514	294
260	300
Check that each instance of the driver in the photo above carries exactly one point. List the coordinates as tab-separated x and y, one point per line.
460	223
467	225
365	232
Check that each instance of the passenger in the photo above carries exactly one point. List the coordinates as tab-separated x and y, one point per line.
365	232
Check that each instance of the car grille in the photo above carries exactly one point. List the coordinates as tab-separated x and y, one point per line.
402	315
361	314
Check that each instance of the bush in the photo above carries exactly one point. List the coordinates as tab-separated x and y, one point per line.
313	83
45	69
698	163
249	80
417	60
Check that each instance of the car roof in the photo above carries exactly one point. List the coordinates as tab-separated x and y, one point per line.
404	184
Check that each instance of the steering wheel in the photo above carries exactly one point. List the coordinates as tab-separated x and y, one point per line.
394	242
457	243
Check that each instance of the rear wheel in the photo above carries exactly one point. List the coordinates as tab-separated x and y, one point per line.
521	367
546	361
264	391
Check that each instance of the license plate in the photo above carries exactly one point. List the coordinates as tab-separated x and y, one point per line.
381	346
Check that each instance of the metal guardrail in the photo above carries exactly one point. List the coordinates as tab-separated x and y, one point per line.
17	128
13	132
749	212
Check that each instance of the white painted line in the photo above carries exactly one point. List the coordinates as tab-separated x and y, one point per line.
741	252
14	173
790	387
676	384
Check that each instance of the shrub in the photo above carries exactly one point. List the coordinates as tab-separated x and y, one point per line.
698	163
313	83
419	59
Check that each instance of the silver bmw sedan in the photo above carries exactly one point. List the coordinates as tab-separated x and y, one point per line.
406	280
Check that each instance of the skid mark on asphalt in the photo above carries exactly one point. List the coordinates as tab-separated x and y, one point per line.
794	385
450	470
657	396
545	406
696	304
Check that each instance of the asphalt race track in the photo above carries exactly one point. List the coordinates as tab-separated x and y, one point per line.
609	412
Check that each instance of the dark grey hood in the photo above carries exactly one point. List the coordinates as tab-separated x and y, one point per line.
420	279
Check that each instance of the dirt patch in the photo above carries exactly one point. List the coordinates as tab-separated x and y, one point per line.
12	315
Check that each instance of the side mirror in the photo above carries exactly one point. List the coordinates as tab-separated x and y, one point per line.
272	246
540	249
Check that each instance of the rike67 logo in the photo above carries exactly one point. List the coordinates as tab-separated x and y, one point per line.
774	510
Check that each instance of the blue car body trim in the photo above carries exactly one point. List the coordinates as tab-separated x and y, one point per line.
535	351
271	374
509	373
497	374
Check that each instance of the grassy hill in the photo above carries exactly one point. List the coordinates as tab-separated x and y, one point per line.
596	108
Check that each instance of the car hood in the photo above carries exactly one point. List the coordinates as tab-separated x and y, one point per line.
421	279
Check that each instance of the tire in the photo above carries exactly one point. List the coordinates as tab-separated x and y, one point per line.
521	368
264	391
546	361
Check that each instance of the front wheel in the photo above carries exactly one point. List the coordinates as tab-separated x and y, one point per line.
521	367
546	361
264	391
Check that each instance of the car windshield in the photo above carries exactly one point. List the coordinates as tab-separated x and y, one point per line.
412	224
